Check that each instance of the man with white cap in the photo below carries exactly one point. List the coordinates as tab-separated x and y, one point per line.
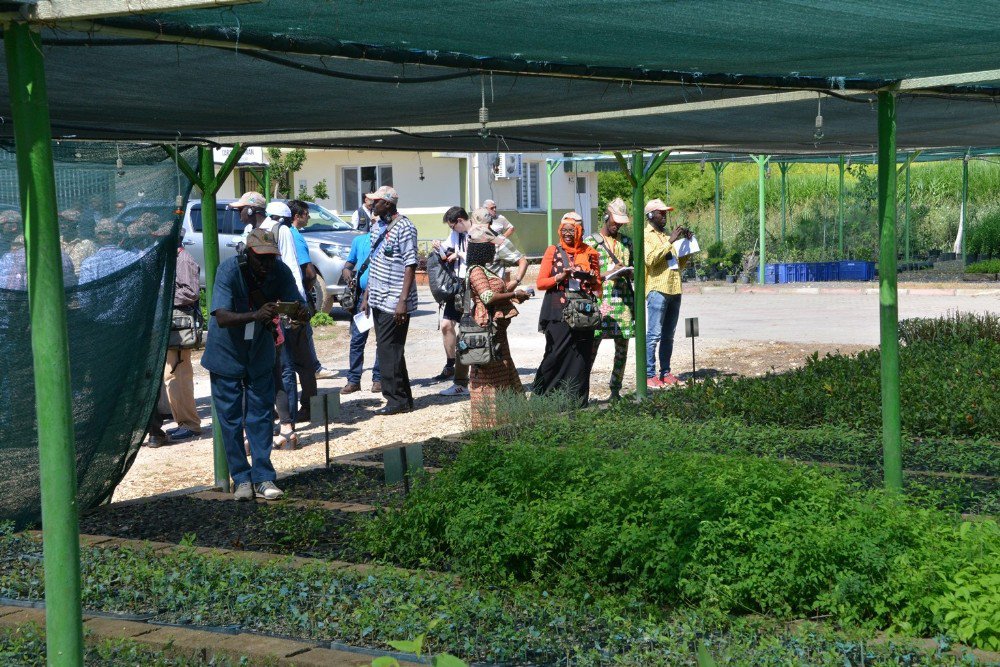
278	218
616	299
392	296
363	217
239	356
663	292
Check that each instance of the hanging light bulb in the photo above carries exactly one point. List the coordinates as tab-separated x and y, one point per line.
703	165
818	133
484	113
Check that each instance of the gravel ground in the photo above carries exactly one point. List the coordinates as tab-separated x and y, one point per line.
189	463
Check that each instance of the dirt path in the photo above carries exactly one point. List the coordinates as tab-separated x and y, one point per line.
189	463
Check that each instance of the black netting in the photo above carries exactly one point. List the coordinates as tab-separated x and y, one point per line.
119	234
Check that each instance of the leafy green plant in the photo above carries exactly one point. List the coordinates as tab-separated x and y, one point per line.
298	528
416	647
953	328
986	266
321	320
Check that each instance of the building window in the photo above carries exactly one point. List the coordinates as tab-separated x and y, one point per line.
527	188
359	181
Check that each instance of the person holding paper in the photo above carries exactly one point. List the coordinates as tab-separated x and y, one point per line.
616	297
240	354
663	291
359	259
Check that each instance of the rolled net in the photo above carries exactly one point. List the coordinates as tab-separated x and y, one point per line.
119	236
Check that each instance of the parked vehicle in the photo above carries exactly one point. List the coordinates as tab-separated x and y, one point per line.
329	238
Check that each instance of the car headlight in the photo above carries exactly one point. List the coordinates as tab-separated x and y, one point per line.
335	250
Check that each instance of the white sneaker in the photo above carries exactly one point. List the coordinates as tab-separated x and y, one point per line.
325	374
267	491
244	491
454	390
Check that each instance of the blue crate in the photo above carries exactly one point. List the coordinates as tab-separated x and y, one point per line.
770	274
811	272
801	272
786	274
834	269
852	270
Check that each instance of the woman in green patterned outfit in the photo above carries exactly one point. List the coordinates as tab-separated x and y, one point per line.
616	299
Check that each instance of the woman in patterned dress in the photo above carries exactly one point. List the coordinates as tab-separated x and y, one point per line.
569	353
490	299
616	298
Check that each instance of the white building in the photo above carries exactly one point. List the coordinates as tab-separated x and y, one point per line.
430	183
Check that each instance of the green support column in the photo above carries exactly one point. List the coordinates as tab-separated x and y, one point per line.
906	212
267	184
550	168
965	205
761	161
784	167
892	457
49	344
718	168
638	177
840	209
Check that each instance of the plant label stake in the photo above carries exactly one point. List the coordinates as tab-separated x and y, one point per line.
329	405
402	463
691	331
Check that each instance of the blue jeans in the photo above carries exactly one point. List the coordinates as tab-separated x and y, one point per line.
358	342
246	404
662	313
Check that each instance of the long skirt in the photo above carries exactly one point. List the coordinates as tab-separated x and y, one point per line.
569	356
488	381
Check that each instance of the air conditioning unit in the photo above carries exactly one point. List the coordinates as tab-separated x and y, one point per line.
507	165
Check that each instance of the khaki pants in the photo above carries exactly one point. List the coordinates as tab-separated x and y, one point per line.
179	378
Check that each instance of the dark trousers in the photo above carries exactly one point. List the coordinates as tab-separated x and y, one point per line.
390	344
359	339
298	358
246	404
569	356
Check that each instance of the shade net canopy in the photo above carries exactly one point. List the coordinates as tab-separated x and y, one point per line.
119	238
405	75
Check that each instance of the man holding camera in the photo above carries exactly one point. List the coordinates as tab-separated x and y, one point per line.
250	291
663	292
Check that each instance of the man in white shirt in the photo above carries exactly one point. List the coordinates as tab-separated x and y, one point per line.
453	250
277	212
362	218
499	225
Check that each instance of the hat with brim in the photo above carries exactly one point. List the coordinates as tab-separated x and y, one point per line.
618	211
657	205
386	193
571	218
262	242
254	199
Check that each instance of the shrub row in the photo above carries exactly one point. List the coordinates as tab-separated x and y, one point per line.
985	266
740	534
946	390
519	626
951	329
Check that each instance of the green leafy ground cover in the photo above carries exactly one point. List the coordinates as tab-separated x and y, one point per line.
516	625
985	266
25	647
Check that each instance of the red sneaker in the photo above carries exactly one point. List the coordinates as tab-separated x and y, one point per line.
669	379
654	383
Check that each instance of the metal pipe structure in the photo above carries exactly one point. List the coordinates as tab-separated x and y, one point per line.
784	167
840	209
550	168
892	457
906	213
718	168
761	161
964	226
49	344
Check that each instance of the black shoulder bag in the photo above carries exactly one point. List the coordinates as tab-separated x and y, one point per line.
352	293
581	311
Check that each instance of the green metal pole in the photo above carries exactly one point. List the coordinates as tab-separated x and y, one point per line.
840	209
267	183
965	204
210	243
906	212
761	161
49	344
639	274
784	167
717	167
888	297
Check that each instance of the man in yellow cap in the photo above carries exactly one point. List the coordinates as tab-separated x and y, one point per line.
663	292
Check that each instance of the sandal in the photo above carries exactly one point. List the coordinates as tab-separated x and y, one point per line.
246	445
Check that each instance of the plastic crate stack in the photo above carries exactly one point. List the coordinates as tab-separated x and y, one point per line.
808	272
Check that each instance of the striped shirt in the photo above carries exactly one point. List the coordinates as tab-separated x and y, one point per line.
388	263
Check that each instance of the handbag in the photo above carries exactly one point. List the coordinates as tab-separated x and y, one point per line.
580	311
185	329
477	344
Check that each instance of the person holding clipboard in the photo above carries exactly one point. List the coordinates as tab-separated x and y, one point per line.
616	298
